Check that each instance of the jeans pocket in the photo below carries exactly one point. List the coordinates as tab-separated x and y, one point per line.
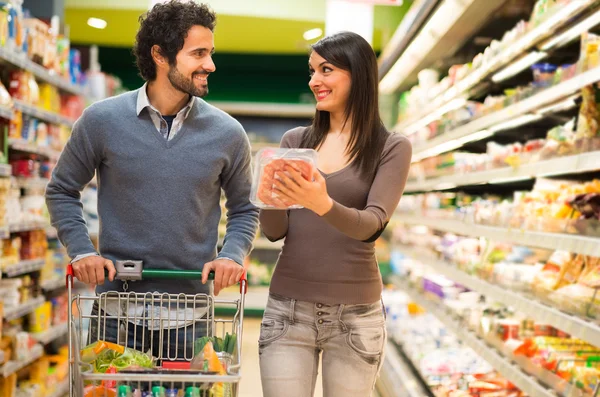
272	329
367	343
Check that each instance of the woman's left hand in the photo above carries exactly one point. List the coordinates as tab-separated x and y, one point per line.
293	187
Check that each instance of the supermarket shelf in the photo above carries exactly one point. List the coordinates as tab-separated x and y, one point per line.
24	146
256	297
53	284
465	133
5	170
24	267
264	244
32	183
62	389
576	326
502	364
397	378
42	114
23	309
21	61
553	241
266	109
27	226
6	112
13	366
461	90
558	166
51	335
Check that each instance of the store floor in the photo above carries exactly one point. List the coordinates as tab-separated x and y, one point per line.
250	384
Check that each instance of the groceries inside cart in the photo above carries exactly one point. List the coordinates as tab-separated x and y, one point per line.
153	344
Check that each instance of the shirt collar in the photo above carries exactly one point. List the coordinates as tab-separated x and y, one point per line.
143	102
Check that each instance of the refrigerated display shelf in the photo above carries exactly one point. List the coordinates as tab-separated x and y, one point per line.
42	114
552	23
23	309
502	364
553	241
53	284
24	267
575	164
578	327
399	377
21	61
51	335
13	366
482	126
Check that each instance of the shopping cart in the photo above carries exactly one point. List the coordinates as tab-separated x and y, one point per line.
163	325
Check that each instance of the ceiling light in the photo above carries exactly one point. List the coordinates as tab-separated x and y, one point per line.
97	23
313	34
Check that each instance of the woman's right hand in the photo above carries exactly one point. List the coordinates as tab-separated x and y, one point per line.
90	270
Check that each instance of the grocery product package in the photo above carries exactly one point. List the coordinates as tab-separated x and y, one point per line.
270	163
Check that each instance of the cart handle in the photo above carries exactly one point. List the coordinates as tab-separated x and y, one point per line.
168	274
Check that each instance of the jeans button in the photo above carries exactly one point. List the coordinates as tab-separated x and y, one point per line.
319	305
319	313
320	321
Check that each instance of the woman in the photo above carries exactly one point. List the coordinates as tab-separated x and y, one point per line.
325	295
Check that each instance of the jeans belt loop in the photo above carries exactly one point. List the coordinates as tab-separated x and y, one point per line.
292	309
340	311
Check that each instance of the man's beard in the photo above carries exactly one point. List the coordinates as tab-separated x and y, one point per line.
185	85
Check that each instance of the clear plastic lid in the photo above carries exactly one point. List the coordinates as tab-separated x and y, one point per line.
271	161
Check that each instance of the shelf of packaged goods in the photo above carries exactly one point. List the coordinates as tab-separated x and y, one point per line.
24	267
512	115
542	313
502	364
575	164
552	241
42	114
27	226
51	335
560	18
397	378
21	61
61	390
23	309
53	284
30	147
13	366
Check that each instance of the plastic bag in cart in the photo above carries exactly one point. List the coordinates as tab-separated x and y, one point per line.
269	163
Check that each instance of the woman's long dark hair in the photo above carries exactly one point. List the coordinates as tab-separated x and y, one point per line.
349	51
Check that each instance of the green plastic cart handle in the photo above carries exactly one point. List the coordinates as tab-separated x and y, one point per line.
165	274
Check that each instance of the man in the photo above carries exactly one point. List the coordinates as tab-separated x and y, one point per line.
162	157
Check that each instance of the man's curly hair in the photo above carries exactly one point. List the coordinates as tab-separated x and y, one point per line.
167	25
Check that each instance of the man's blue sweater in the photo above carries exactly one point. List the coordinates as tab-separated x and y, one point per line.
158	200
